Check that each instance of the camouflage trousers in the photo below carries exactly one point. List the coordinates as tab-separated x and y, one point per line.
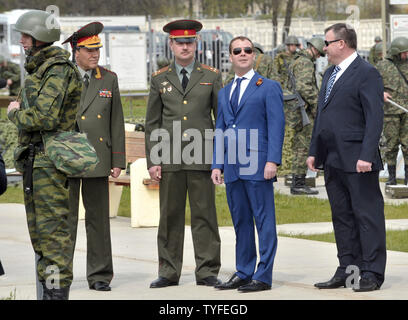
47	210
396	133
300	148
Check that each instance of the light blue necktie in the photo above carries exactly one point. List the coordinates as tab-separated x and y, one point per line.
330	83
235	95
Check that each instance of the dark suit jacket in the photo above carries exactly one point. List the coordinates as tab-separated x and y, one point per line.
260	108
100	115
348	126
3	177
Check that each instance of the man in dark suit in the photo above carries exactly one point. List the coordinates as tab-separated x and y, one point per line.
183	101
345	143
100	115
250	123
3	187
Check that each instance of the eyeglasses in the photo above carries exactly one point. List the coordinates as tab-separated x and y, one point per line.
237	51
327	43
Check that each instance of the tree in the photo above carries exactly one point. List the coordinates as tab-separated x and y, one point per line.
288	19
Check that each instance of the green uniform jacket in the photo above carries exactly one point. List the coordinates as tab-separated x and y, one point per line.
304	70
101	117
52	92
170	107
394	84
12	72
279	70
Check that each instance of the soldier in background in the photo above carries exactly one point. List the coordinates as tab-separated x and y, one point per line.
263	64
162	62
49	101
11	73
395	120
303	69
373	57
283	59
3	187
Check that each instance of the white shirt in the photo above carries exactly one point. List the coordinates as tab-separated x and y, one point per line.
345	64
244	84
82	73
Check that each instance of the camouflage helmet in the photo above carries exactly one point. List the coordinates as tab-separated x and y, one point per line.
258	46
2	59
39	25
378	48
292	40
318	44
399	45
377	39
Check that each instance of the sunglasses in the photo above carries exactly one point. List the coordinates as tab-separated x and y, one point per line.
237	51
327	43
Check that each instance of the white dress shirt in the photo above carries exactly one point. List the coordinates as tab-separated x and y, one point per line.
244	84
345	64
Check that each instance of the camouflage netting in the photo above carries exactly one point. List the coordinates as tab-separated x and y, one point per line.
8	141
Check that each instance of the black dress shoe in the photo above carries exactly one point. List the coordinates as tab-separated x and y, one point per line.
163	282
333	283
254	285
100	286
210	281
367	284
233	283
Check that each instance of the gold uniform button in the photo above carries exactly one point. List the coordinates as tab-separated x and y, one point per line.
100	139
185	101
83	117
185	118
99	116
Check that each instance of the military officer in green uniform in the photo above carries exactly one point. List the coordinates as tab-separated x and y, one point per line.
49	101
10	72
392	70
101	117
182	106
303	69
263	64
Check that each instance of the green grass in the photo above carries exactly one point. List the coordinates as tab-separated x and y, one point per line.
14	194
396	240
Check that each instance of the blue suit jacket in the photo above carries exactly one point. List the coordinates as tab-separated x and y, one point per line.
260	109
348	126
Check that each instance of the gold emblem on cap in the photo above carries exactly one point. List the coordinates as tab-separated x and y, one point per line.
186	32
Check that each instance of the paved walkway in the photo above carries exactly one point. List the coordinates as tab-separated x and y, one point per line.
298	265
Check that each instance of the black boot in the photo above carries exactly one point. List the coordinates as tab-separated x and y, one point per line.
299	186
406	174
55	294
392	179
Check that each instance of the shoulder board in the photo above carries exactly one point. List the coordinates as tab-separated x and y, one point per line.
160	71
204	66
107	70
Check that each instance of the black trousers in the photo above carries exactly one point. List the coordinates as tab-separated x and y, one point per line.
357	208
1	269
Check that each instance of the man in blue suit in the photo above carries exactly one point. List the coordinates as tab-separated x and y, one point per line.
248	149
345	143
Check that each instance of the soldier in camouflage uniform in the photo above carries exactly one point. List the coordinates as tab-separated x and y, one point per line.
395	120
303	68
373	57
10	72
263	64
49	101
283	59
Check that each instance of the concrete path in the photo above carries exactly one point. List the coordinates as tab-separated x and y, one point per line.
298	265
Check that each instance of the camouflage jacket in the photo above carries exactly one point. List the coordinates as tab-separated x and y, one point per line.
49	100
263	64
303	68
373	58
394	84
279	70
12	72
